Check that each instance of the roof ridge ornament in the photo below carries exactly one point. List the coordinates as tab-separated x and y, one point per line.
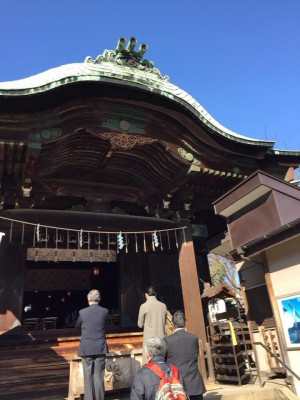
127	56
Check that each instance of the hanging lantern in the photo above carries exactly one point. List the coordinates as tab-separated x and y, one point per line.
96	271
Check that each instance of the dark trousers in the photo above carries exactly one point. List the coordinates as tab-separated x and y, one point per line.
93	375
196	397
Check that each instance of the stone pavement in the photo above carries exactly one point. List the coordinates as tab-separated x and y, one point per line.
249	391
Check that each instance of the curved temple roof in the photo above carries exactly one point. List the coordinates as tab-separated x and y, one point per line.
120	75
116	126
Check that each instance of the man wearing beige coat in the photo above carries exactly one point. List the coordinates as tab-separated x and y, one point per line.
152	317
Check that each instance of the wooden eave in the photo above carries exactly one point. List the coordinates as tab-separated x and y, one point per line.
271	239
260	212
222	291
255	186
74	80
51	127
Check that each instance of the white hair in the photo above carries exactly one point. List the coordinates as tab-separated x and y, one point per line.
94	296
156	346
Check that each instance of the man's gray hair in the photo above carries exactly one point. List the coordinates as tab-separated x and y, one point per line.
94	296
156	346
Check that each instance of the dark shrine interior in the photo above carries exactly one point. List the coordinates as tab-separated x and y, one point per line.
51	300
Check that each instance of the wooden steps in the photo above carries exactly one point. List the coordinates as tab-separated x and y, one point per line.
36	365
54	388
34	370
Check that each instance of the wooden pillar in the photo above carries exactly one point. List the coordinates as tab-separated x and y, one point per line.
12	268
274	308
191	291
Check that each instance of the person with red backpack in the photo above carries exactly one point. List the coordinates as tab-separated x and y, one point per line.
157	379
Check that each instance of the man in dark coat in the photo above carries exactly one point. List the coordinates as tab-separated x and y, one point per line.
183	351
146	382
93	347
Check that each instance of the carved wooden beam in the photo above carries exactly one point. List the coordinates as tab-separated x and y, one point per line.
174	184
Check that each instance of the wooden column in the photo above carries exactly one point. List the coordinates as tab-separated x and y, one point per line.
191	291
12	268
274	307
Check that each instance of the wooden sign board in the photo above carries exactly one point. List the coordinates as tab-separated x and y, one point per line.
75	255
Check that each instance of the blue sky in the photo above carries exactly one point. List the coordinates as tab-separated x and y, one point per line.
239	58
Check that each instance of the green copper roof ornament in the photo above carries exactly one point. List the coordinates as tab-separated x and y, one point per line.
128	56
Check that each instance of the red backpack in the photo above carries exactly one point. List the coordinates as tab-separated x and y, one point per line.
170	387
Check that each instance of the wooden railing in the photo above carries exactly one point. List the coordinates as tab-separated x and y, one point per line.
277	358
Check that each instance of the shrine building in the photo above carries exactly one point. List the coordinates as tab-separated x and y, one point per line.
108	176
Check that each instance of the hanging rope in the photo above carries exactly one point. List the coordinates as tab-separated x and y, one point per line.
22	240
160	241
176	239
156	237
88	231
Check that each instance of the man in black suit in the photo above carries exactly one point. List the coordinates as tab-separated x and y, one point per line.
93	347
182	351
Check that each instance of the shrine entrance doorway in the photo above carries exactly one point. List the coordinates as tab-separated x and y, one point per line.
59	289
